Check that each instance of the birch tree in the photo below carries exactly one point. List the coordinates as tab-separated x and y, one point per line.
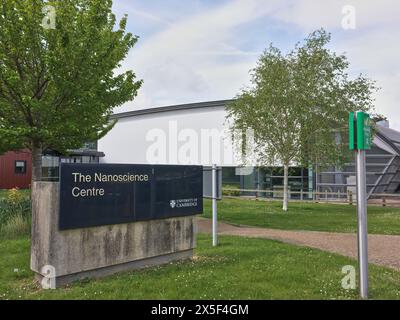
298	105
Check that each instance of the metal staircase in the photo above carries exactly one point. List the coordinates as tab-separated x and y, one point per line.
389	180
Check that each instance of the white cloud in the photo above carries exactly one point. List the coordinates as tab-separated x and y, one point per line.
149	16
185	61
198	57
376	54
372	48
313	14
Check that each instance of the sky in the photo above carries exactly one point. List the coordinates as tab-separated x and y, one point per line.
202	50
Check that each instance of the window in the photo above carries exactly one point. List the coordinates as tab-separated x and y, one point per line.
20	167
85	159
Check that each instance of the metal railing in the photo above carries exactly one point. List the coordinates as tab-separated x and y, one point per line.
312	196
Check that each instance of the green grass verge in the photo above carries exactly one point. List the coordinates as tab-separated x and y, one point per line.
240	268
304	216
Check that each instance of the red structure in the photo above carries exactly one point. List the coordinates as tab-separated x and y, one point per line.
15	169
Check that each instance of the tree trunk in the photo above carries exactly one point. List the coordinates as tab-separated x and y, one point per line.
36	162
285	187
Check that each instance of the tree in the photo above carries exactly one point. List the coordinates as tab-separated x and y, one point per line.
58	84
378	117
298	105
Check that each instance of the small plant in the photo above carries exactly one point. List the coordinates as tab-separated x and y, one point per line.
231	193
15	196
15	214
16	227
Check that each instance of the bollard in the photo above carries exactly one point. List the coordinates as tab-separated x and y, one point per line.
350	197
214	173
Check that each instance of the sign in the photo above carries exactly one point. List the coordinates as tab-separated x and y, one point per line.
360	132
360	141
105	194
207	182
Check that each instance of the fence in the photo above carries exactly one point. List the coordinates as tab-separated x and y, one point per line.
312	196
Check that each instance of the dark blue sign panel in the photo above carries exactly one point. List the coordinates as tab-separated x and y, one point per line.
105	194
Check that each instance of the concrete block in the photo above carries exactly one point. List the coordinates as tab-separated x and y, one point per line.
97	251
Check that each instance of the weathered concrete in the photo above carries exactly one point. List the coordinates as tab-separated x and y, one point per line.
133	265
76	252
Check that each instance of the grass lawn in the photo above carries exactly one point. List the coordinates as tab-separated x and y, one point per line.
304	216
240	268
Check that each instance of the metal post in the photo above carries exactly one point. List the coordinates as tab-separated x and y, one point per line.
214	205
350	197
362	233
316	184
258	182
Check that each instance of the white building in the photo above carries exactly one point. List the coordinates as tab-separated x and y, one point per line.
184	134
198	134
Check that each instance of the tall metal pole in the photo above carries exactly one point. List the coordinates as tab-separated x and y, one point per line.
214	205
362	233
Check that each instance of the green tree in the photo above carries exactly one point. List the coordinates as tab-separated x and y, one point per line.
298	105
58	79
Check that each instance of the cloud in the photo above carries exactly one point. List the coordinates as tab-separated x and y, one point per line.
185	61
313	14
372	47
149	16
206	53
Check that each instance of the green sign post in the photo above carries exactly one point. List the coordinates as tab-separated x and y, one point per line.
360	135
360	131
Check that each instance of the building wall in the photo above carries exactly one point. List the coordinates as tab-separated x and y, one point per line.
194	136
8	178
200	136
383	170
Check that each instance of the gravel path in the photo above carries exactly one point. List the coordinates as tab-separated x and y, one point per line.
382	249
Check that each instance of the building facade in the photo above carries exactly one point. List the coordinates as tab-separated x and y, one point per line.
15	169
199	134
382	163
16	166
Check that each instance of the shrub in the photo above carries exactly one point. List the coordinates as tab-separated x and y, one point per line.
232	193
16	227
15	213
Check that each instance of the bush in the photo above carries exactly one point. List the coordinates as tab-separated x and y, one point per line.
16	227
15	214
232	193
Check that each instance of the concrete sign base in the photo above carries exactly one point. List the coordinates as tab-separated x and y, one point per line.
69	255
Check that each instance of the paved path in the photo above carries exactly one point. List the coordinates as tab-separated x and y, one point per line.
382	249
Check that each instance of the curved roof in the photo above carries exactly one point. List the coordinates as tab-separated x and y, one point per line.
188	106
390	136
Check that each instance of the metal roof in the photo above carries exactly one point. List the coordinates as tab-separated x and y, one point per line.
390	136
180	107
